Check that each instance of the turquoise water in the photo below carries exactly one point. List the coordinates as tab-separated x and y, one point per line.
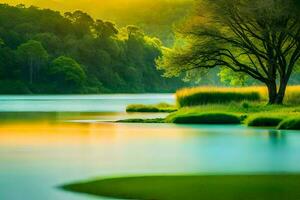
78	103
40	151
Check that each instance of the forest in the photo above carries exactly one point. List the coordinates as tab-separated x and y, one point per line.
138	12
45	52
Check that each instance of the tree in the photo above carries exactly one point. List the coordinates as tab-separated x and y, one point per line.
105	29
113	59
67	74
82	21
32	55
258	38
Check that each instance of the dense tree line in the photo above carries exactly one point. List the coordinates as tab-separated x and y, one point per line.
156	18
43	51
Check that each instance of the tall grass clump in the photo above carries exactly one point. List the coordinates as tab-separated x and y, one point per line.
264	121
290	124
205	118
220	95
292	96
214	95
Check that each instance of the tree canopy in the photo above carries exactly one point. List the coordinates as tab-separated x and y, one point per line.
259	39
68	73
155	17
112	59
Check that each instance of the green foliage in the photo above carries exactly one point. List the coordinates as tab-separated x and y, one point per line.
290	124
140	13
228	77
240	38
162	107
13	87
32	57
66	72
113	59
254	110
205	118
255	187
194	97
264	121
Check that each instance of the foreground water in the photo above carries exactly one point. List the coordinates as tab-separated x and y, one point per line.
40	151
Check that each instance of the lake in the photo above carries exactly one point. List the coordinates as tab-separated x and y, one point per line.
47	141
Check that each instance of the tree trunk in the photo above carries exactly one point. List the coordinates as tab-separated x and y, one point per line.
277	97
281	92
31	71
272	91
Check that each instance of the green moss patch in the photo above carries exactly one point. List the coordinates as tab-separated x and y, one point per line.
264	121
205	118
243	187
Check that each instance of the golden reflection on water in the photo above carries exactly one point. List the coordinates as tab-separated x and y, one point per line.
50	133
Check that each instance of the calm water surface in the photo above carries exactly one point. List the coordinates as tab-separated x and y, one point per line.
40	149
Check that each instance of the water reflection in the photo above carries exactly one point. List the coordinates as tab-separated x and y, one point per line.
37	154
277	137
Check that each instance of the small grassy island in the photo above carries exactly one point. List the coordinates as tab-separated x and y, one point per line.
244	187
208	105
162	107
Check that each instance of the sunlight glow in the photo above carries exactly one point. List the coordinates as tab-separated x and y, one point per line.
98	8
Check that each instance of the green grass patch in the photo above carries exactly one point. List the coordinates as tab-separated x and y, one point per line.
242	109
210	95
247	110
205	118
264	121
243	187
290	124
162	107
143	121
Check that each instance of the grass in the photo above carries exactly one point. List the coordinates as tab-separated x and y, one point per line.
162	107
290	124
143	121
218	95
254	114
214	95
240	109
205	118
207	105
264	121
239	187
251	113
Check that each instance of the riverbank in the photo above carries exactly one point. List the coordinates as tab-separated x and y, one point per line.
213	105
239	187
256	114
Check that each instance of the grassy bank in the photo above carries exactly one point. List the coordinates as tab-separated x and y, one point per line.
292	123
254	114
143	121
242	109
264	121
205	118
208	105
218	95
162	107
212	95
254	187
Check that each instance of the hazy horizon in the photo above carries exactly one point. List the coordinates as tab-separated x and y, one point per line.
103	9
